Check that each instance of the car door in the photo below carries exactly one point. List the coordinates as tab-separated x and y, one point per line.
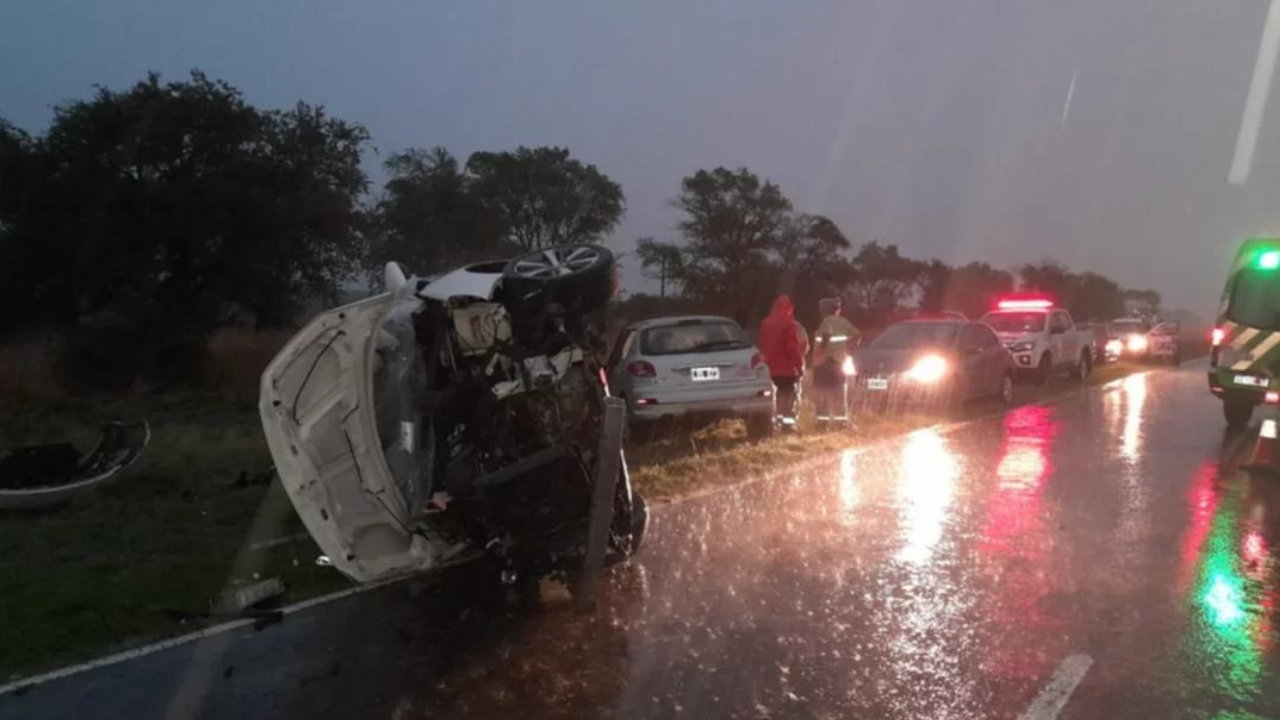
1058	338
971	354
995	359
337	410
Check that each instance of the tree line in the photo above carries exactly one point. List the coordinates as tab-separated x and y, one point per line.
741	242
143	219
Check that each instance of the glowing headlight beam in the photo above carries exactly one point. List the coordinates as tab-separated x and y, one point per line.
928	369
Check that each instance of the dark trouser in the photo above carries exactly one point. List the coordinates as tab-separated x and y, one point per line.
830	391
788	398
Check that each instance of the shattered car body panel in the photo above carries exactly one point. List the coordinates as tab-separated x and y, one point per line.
453	415
42	476
319	418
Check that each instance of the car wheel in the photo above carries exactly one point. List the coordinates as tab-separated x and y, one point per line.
578	277
1237	412
1083	367
1006	389
759	426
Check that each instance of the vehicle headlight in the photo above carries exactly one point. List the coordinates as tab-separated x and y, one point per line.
928	369
1024	346
848	367
1114	347
1137	343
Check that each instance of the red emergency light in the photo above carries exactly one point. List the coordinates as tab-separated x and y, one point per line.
1024	304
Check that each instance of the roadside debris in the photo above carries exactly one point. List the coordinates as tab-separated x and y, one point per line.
37	476
245	597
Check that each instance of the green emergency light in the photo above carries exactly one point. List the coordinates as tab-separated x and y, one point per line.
1269	260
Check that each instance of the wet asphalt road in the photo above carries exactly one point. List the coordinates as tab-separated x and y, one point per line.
944	574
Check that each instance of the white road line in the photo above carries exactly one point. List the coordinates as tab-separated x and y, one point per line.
1255	104
145	650
1055	695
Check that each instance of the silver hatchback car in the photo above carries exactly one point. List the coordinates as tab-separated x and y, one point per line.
700	365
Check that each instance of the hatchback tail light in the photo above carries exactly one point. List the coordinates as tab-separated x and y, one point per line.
756	360
1218	336
641	368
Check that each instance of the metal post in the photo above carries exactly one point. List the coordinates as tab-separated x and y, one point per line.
608	467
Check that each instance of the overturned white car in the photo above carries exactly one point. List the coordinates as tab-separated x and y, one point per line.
456	415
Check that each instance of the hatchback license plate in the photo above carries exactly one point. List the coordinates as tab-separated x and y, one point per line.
877	384
1251	380
707	373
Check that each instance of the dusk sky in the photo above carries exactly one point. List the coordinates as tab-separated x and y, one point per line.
1095	132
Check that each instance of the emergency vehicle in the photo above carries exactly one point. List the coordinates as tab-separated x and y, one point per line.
1041	338
1244	358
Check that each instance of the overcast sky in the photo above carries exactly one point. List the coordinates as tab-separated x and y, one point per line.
941	125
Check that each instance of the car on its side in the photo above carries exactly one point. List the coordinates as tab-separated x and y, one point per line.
460	415
700	366
939	363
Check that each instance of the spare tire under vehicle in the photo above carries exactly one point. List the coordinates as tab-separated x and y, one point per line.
579	277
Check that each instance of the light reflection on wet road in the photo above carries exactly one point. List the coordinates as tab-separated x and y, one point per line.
945	573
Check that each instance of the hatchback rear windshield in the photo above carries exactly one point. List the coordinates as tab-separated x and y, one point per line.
692	338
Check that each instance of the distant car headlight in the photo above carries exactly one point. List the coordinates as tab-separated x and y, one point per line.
928	369
1114	347
848	367
1137	343
1024	346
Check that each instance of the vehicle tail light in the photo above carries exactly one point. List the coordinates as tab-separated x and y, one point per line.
756	360
765	393
641	368
1272	397
1219	335
646	401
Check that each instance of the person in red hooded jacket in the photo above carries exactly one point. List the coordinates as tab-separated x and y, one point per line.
784	345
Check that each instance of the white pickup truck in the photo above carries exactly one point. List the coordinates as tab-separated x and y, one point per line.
1042	339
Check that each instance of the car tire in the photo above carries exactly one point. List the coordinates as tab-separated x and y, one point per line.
759	426
1237	412
1083	367
579	277
1006	390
